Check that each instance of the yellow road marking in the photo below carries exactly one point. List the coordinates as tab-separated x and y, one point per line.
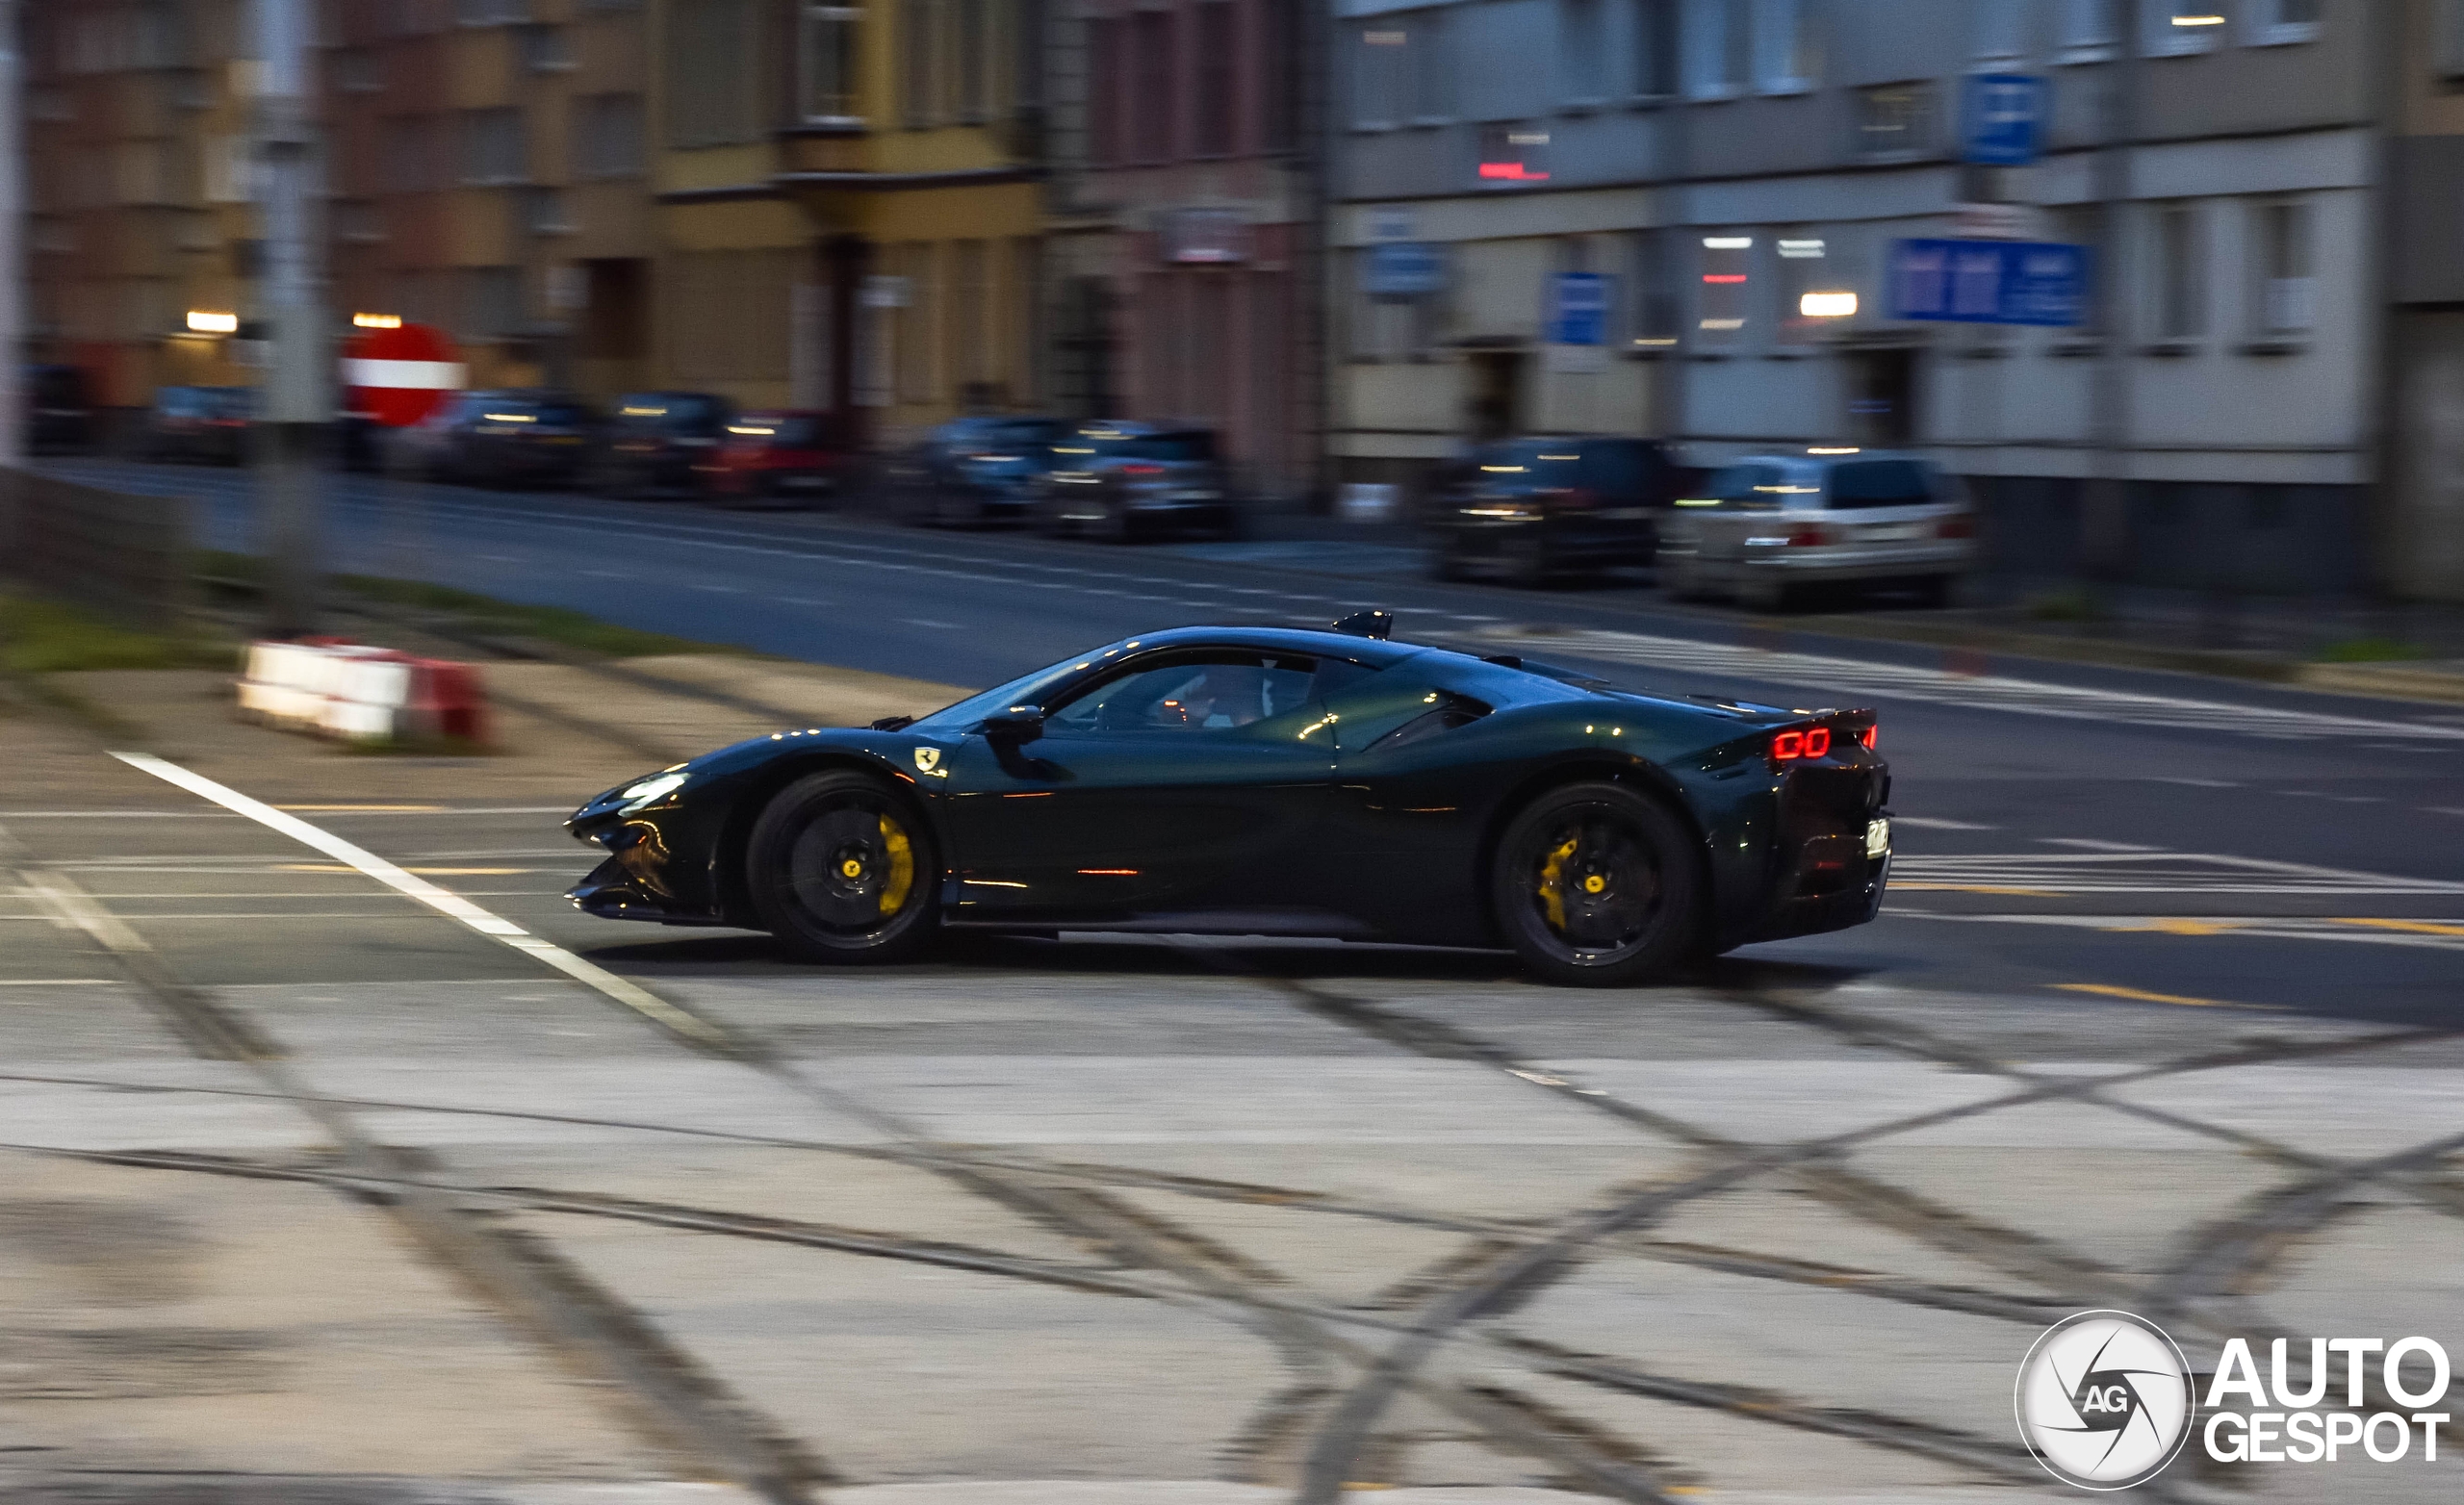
1971	888
2138	995
382	809
2413	927
2176	927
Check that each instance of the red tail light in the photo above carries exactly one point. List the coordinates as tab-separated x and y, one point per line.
1789	746
1809	535
1141	469
1961	526
1866	737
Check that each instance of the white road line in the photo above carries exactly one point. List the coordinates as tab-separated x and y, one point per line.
57	982
1937	822
2144	872
2090	844
443	902
225	815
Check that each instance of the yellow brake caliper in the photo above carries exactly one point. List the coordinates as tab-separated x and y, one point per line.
1553	884
902	867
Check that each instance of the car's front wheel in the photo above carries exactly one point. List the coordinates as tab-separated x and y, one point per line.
841	870
1596	886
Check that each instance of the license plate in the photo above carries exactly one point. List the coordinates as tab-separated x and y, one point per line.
1878	838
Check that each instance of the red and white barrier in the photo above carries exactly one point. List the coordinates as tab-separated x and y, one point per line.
362	693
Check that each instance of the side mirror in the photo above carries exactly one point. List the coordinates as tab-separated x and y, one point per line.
1017	725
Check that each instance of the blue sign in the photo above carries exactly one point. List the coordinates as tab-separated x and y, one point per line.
2002	118
1989	282
1578	308
1403	270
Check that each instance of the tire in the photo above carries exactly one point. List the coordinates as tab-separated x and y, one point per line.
1595	885
1765	595
1117	525
844	871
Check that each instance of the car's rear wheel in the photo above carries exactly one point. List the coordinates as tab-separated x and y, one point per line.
1595	885
842	870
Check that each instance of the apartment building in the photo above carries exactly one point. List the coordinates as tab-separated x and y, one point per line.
2209	422
1184	230
487	170
846	202
138	237
2421	538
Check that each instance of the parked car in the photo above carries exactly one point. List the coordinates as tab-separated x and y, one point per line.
656	441
789	457
1118	480
1539	506
520	436
60	416
981	469
1764	529
200	423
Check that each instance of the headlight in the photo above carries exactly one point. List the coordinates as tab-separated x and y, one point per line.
650	791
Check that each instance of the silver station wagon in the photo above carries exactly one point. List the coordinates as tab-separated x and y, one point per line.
1765	529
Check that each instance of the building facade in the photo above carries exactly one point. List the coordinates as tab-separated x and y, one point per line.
136	187
2422	539
2209	424
487	174
1184	227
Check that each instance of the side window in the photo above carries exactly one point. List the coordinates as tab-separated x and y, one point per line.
1742	486
1615	471
1209	693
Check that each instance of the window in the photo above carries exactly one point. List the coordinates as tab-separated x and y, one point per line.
550	212
916	41
490	302
913	336
2002	28
1432	69
2179	287
1405	323
493	149
358	221
1724	302
1582	51
491	12
2446	39
1280	97
412	153
1804	267
1656	57
546	49
973	75
1655	312
1151	45
1381	73
713	48
359	70
1718	39
1103	90
969	337
1783	47
2090	29
1215	61
1895	120
2276	23
607	136
2179	28
2286	289
1217	692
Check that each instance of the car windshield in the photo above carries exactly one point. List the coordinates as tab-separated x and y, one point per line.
1022	432
1883	483
791	433
557	412
1025	690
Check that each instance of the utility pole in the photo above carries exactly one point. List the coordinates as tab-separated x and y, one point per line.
297	399
2104	516
13	231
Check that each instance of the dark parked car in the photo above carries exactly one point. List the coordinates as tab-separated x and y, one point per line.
1122	480
202	423
511	437
792	458
1536	508
1260	780
983	469
657	441
60	416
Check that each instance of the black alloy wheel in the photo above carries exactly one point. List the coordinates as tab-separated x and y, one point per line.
1597	886
843	870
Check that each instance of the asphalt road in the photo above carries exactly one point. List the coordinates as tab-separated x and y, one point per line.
344	1162
2060	826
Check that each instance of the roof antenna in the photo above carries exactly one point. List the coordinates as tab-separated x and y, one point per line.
1375	623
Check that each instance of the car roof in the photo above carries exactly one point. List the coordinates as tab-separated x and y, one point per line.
1851	457
1377	651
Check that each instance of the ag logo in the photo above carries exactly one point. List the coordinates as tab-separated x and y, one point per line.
2104	1400
927	760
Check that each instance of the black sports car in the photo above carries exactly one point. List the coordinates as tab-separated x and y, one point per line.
1260	780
